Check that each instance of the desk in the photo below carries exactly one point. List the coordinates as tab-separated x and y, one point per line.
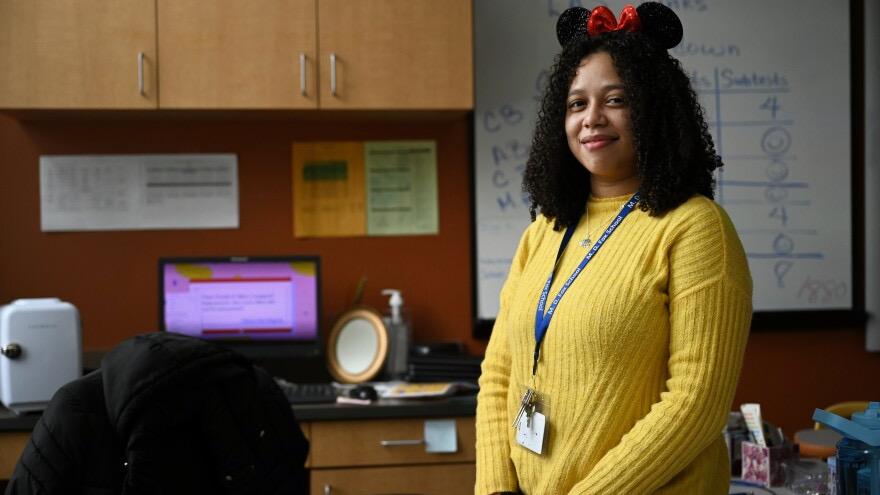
346	455
345	448
14	434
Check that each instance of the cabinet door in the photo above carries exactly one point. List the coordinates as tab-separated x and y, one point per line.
77	54
437	479
11	446
396	54
237	54
364	439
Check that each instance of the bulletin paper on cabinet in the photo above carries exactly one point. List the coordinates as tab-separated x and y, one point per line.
138	192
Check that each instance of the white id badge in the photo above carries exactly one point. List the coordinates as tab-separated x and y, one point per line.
530	432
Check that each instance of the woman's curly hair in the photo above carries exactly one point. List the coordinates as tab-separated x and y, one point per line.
675	155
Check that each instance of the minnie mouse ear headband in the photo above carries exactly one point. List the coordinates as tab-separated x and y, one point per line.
653	19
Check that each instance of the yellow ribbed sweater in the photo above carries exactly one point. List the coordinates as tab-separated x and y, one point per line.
640	362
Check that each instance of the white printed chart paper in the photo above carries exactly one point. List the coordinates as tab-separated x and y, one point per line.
138	192
401	187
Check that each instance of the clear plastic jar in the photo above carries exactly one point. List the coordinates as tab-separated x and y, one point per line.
807	477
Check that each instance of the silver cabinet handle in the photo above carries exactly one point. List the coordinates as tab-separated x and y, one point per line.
399	443
302	74
327	489
333	74
141	73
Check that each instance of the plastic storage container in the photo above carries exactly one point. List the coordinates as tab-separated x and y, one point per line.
858	452
807	476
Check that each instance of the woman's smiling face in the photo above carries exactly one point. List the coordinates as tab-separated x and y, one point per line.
598	127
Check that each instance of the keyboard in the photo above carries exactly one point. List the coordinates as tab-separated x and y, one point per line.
307	393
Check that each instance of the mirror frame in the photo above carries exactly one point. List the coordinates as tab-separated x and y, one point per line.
372	318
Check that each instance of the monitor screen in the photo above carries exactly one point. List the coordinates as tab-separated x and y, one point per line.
247	300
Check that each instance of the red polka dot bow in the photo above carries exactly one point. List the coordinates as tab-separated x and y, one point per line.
602	20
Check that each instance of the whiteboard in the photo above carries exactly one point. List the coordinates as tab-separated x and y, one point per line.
774	83
872	173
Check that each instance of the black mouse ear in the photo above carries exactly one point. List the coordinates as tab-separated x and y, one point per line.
660	23
572	24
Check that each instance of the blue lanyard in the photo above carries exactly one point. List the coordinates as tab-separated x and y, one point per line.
542	320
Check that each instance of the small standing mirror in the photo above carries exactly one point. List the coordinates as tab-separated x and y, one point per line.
358	346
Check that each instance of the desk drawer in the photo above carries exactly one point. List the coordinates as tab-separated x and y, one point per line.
12	443
439	479
358	443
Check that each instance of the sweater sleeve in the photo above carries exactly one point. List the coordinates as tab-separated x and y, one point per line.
710	314
495	470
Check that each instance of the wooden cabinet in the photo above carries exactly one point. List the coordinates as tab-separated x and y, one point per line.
440	479
230	54
235	54
348	458
11	446
78	54
407	54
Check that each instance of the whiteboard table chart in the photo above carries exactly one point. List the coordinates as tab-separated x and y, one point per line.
772	197
776	98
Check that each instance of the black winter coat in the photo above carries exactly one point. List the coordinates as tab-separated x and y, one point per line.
166	414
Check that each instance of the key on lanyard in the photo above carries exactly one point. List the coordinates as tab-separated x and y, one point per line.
525	405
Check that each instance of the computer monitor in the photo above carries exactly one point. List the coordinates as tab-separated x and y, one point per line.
263	307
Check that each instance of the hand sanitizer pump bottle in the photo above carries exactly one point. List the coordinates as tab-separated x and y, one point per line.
398	337
858	452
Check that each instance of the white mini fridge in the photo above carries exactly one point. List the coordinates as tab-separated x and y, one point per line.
40	350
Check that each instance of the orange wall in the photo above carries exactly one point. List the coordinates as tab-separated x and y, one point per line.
111	276
792	372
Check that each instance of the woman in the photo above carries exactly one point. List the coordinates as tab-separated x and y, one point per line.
628	390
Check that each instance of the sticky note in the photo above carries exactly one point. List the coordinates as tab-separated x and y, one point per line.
440	436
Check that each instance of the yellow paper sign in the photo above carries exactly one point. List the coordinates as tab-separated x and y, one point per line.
328	189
